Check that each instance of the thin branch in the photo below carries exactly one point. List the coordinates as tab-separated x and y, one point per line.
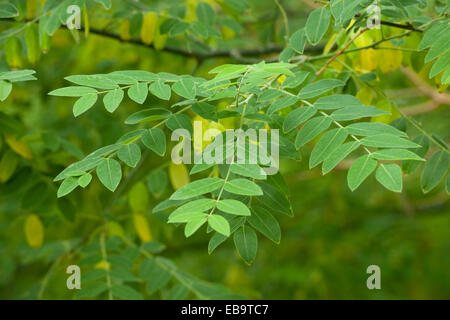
342	50
401	26
285	18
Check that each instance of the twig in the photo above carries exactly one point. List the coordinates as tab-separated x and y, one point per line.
342	50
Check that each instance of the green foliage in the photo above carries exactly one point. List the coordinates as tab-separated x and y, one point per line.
326	91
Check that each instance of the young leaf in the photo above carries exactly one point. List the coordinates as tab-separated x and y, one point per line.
298	40
434	171
248	170
112	99
339	154
263	221
160	90
73	91
317	88
219	224
185	88
84	180
246	242
360	170
84	103
197	188
317	24
130	154
243	187
337	101
110	173
155	140
388	141
96	81
373	128
5	89
179	121
193	225
297	117
396	154
390	176
311	129
326	145
146	115
356	112
138	92
233	207
187	216
200	205
67	186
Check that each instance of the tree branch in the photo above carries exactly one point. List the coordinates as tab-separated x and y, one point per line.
401	26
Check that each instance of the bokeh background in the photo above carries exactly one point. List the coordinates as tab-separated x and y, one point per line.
326	247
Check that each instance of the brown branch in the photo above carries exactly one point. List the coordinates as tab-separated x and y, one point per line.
342	50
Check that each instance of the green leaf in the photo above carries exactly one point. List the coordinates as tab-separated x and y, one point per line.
297	117
317	24
110	173
396	154
326	145
160	90
233	207
67	186
123	275
311	129
96	81
187	216
219	224
388	141
337	101
273	199
409	166
373	128
155	140
73	91
248	170
138	92
246	243
193	225
177	292
112	99
390	176
154	273
185	88
7	10
91	290
281	104
84	180
360	170
243	187
179	121
147	115
5	89
294	81
317	88
434	171
197	188
356	112
130	154
205	14
205	110
263	221
339	154
84	103
125	292
298	40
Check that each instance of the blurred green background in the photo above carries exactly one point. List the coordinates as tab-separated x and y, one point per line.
325	248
